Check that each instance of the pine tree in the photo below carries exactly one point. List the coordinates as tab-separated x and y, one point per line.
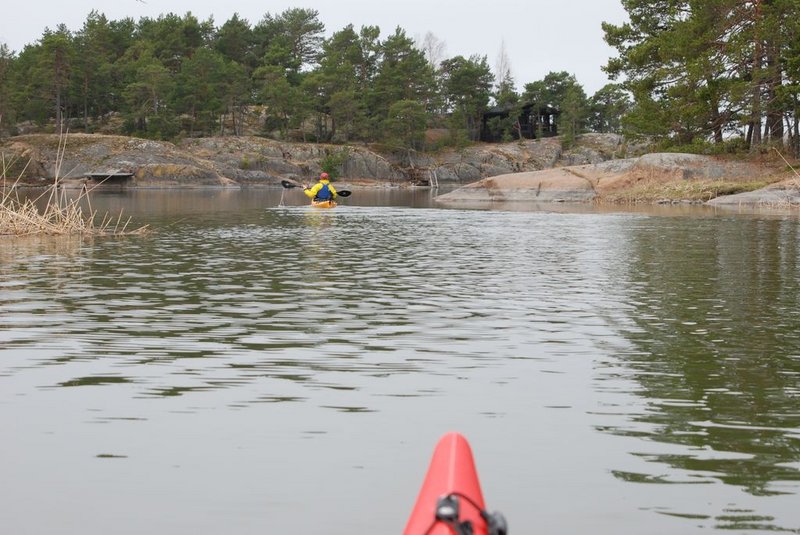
708	69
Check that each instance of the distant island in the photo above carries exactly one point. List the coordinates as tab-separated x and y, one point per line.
174	100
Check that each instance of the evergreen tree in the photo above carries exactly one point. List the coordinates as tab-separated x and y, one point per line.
403	74
707	68
200	90
236	95
291	41
607	107
98	46
561	93
338	77
346	114
173	38
466	87
788	94
6	61
53	70
508	126
574	112
235	40
286	105
147	94
405	125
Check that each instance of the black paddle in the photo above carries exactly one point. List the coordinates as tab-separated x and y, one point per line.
288	185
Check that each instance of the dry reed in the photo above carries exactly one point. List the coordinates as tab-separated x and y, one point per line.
59	215
796	174
698	191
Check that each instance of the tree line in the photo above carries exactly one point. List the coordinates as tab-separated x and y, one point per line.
177	76
697	74
711	71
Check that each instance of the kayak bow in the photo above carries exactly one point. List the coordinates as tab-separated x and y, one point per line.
450	501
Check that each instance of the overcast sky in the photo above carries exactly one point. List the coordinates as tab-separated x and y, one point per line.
539	36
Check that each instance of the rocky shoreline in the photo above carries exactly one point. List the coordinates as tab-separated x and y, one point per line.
231	161
611	180
600	167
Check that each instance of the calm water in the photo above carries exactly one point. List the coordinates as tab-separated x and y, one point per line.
250	368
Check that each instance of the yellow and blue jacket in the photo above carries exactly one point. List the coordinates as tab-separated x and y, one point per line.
321	191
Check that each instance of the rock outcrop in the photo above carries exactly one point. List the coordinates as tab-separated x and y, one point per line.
584	183
243	161
783	194
528	170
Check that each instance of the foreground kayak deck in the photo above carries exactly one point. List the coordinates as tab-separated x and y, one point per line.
323	204
450	501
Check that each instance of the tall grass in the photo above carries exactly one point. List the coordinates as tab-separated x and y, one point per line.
52	212
653	191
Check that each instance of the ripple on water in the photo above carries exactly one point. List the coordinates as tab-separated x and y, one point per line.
661	353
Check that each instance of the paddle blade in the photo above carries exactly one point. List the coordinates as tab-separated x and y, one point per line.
344	193
288	185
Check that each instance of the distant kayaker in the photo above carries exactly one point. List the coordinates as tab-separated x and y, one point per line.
322	190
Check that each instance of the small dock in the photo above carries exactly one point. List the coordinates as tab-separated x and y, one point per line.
115	175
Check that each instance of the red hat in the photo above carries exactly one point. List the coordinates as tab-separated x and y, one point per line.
323	176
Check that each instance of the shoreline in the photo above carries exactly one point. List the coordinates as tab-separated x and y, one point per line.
595	171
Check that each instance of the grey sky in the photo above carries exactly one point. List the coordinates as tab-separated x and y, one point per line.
539	36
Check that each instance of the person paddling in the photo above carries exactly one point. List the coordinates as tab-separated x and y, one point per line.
322	190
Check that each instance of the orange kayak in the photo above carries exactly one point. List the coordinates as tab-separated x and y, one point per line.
450	501
323	204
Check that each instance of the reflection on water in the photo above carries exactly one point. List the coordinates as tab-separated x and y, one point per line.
249	359
715	356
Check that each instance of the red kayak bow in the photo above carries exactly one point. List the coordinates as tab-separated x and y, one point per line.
450	501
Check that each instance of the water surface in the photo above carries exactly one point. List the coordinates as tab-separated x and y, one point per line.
250	367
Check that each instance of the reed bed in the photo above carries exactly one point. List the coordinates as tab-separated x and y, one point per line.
52	212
